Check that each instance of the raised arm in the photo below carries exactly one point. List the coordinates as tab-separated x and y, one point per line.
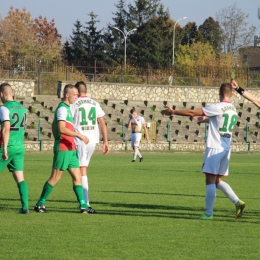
169	111
255	100
130	121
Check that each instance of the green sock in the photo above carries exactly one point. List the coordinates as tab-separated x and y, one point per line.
46	191
23	191
80	196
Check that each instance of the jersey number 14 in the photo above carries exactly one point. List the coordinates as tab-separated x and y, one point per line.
90	116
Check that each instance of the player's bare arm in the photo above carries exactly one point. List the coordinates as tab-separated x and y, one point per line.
255	100
5	138
103	129
130	121
201	119
169	111
146	132
63	130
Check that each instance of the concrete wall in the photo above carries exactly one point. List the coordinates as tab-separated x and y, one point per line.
100	90
21	87
145	146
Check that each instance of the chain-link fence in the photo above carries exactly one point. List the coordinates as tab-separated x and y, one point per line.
46	73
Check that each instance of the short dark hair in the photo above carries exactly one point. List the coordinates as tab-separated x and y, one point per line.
225	89
81	86
67	88
132	110
3	86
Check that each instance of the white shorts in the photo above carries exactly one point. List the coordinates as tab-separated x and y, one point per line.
216	161
84	153
136	139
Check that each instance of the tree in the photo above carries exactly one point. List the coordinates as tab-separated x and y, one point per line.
114	40
48	39
189	33
210	31
142	11
17	34
197	53
235	28
74	49
93	39
152	43
23	36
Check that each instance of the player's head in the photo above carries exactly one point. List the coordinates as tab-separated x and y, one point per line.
6	92
70	94
133	112
225	91
82	88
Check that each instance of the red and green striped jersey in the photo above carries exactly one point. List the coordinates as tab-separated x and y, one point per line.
63	142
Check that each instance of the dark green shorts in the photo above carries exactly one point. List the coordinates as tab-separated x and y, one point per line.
64	160
15	161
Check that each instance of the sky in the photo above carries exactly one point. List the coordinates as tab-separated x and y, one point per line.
66	12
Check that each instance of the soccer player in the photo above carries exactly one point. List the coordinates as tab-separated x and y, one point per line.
136	122
13	119
245	94
65	154
87	114
222	117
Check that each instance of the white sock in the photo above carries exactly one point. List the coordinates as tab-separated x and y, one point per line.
135	154
227	190
210	199
84	180
138	153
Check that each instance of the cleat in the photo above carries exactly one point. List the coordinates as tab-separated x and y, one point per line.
133	160
141	159
240	206
91	211
40	209
88	210
205	217
23	211
84	210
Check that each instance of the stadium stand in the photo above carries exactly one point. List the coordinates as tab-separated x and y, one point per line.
182	129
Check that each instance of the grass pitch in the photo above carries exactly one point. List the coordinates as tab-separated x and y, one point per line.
145	211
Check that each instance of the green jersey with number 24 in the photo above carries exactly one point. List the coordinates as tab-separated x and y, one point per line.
16	113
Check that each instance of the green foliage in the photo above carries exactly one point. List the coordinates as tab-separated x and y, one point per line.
211	32
158	219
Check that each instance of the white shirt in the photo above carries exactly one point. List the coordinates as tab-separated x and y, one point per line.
85	112
222	119
4	114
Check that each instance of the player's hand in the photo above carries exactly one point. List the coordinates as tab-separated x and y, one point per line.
105	149
234	84
201	119
5	155
168	112
84	139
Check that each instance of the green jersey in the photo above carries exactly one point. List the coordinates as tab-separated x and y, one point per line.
16	113
63	142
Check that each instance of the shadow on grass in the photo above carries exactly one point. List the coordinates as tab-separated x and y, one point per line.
156	193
